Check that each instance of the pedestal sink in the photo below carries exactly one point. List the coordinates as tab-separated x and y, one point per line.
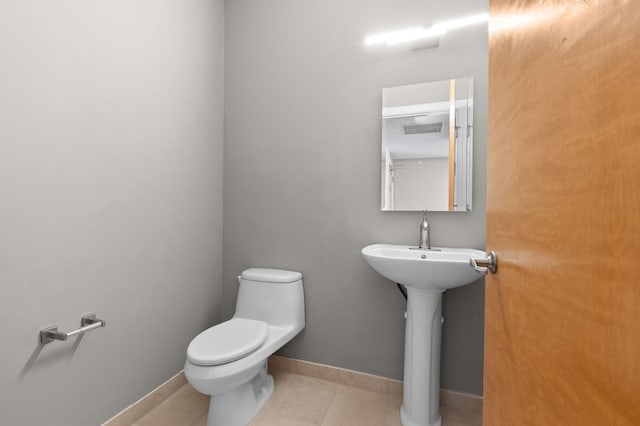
426	274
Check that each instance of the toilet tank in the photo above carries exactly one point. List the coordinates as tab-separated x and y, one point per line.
274	296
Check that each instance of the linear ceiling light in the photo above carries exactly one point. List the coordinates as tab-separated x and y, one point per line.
403	36
421	33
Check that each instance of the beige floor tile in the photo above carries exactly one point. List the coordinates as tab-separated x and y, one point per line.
300	400
265	416
358	393
392	412
202	420
187	398
356	407
297	400
395	399
184	407
392	416
453	417
284	422
142	407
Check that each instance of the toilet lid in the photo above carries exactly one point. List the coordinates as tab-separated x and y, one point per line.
227	342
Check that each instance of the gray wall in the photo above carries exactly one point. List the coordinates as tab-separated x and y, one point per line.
111	188
302	165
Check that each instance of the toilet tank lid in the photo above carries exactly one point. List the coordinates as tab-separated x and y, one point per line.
271	275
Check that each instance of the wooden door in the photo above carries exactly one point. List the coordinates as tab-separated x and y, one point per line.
562	336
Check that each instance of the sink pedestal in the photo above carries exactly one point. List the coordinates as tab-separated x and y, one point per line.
426	274
421	400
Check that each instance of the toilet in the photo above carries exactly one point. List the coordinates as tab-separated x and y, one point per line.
229	361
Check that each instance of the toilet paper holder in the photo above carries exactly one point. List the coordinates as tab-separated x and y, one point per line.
87	323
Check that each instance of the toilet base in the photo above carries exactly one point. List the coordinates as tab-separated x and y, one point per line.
239	406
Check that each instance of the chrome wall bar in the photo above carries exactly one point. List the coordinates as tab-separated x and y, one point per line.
87	323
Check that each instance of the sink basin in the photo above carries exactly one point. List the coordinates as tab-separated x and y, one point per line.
437	269
426	275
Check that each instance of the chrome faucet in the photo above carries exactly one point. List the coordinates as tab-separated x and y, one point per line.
425	233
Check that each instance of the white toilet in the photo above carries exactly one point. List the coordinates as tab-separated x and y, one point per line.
229	361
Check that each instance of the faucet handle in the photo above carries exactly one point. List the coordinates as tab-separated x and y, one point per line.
425	232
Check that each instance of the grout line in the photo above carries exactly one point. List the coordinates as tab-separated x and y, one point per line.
335	393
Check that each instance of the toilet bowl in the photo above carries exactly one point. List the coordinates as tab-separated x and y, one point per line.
229	361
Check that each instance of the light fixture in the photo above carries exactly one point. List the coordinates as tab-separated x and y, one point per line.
410	34
463	22
421	33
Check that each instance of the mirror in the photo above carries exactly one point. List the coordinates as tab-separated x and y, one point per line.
427	146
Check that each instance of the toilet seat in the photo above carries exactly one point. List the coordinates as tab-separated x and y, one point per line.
227	342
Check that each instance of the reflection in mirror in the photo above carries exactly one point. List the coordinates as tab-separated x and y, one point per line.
427	146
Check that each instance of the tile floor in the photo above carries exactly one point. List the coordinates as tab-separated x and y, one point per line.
302	401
